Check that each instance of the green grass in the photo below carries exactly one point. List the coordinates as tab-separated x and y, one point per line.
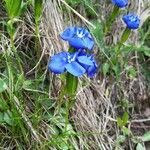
108	108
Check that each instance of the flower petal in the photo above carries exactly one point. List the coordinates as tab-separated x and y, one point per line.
131	20
88	42
68	33
60	55
85	60
78	37
77	43
58	63
75	68
92	70
120	3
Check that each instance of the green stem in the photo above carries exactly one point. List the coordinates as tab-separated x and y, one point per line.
37	37
111	19
71	84
70	91
71	88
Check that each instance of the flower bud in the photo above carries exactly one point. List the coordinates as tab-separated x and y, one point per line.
120	3
131	20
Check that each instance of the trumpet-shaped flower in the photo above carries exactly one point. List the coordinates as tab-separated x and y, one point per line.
131	20
75	63
120	3
78	37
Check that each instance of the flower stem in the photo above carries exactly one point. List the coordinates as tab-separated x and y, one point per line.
71	88
111	19
71	84
70	91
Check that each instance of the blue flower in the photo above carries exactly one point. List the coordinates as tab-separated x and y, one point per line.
75	63
120	3
131	20
78	37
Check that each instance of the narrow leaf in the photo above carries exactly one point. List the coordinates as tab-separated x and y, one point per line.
3	85
37	9
13	8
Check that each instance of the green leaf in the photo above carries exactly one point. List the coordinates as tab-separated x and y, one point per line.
1	117
119	122
140	147
123	121
117	69
37	10
111	19
146	137
47	103
144	49
98	33
27	84
126	131
63	77
69	130
105	68
10	28
132	72
3	85
8	118
125	36
121	139
24	7
19	83
147	52
90	7
125	118
13	8
3	105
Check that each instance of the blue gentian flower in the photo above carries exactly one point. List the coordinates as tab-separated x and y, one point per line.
120	3
75	63
78	37
131	20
